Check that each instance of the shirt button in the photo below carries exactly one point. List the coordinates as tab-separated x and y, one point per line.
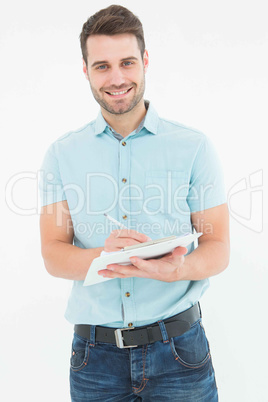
124	143
124	180
124	216
130	324
127	294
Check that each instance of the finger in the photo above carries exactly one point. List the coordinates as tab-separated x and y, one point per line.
109	274
131	233
119	271
124	242
129	270
118	244
141	264
179	251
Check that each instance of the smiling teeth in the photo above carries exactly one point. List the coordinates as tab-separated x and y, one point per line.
119	93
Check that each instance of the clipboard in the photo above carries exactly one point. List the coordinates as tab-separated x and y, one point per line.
146	250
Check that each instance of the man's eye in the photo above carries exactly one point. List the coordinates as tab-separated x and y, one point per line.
127	63
102	67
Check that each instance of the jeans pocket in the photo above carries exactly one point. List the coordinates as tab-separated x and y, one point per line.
80	353
192	348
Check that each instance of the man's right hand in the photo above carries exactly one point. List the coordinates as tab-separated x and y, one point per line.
121	238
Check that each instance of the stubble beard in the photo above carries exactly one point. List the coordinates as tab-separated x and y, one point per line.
121	105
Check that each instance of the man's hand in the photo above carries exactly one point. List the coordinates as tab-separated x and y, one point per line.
121	238
166	269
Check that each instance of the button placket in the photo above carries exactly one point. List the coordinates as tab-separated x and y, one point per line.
124	170
128	301
127	295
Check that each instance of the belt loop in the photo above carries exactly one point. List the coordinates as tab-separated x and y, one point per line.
163	331
92	335
150	334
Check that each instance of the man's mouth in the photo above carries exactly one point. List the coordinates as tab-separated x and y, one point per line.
118	93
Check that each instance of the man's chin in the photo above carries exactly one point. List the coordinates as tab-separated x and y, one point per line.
120	109
118	112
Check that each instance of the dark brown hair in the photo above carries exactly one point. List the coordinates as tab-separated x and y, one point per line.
112	20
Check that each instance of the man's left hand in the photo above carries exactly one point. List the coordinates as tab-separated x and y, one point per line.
167	269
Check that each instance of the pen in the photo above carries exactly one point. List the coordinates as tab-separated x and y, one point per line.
115	221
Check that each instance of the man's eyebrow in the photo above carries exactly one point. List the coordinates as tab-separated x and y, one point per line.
129	58
96	63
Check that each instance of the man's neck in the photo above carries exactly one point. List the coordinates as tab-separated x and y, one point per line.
126	123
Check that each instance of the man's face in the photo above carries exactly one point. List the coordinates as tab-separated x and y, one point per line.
116	71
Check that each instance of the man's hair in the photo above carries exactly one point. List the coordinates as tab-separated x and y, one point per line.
112	20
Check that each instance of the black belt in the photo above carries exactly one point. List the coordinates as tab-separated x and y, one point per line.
131	337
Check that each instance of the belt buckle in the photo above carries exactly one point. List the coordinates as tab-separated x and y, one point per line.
120	340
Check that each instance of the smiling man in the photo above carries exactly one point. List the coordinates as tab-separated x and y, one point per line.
116	71
158	178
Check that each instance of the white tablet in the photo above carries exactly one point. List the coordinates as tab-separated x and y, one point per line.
151	249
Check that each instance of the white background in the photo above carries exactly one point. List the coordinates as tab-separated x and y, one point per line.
208	69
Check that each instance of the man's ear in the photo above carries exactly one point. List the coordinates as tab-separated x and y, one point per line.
145	60
85	70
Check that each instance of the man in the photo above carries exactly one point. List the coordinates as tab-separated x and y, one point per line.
158	178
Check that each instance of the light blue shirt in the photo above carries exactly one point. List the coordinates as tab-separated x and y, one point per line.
151	181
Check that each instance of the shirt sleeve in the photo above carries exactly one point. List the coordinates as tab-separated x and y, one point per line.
50	183
207	187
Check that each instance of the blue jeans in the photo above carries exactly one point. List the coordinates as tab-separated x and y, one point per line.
176	369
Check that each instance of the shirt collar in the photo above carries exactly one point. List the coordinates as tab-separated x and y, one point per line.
150	122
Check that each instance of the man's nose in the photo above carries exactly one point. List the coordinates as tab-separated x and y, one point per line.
116	77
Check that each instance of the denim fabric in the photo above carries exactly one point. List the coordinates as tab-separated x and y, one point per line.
176	369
